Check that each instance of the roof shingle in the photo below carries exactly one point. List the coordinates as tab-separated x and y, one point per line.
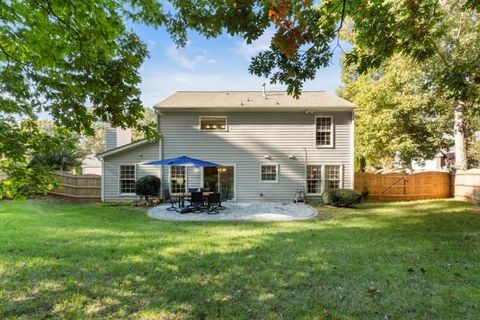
247	99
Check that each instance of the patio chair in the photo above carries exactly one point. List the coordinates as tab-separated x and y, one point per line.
196	201
213	203
171	200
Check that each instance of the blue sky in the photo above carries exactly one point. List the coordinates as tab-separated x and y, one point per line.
210	64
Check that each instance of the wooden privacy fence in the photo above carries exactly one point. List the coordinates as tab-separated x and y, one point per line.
404	187
83	188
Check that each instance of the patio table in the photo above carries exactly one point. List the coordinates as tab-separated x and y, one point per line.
182	195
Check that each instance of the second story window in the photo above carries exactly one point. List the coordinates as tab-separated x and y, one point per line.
213	123
324	131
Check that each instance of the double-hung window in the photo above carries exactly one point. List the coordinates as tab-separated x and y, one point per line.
127	179
314	179
269	173
322	177
324	134
213	123
178	179
333	177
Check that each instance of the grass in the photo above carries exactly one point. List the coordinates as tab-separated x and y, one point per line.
380	261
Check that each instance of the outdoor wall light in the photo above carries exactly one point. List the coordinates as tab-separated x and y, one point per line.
292	157
267	156
140	155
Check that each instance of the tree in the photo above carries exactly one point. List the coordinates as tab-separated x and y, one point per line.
63	155
397	113
454	70
77	60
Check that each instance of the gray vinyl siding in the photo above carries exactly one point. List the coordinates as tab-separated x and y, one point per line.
249	138
148	152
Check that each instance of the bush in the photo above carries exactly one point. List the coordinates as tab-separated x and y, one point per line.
341	197
148	186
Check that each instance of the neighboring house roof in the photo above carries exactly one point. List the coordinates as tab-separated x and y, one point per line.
122	148
253	101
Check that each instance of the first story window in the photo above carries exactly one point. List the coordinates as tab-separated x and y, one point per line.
314	179
322	177
269	173
213	123
324	131
178	179
127	179
332	177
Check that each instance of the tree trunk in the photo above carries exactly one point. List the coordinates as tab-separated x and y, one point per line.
459	131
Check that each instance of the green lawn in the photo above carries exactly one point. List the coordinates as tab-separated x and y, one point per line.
380	261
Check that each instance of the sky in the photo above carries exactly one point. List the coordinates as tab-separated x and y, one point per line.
211	64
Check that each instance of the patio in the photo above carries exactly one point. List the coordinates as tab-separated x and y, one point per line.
255	211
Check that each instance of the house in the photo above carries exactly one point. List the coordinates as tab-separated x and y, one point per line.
269	145
91	165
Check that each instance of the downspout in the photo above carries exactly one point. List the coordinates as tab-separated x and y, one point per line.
305	169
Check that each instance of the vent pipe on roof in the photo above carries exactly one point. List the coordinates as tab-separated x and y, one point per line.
264	91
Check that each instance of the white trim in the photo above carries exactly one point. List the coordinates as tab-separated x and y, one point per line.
352	152
332	131
200	118
103	181
125	147
321	179
276	171
324	178
119	176
170	178
341	174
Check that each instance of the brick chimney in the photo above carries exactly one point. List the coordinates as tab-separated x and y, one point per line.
116	137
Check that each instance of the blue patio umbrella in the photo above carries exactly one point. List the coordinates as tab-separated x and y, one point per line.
183	161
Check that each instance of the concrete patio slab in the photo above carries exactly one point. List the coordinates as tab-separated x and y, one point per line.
254	211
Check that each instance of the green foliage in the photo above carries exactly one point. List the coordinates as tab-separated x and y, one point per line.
23	177
396	113
63	155
148	186
79	62
341	197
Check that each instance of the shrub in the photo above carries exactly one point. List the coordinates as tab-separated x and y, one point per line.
147	187
341	197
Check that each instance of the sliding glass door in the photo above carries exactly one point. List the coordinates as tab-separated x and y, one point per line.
222	180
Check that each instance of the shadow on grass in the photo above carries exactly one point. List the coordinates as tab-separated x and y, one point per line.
417	260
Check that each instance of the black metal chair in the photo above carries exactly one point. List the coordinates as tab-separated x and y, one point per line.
169	198
196	201
213	203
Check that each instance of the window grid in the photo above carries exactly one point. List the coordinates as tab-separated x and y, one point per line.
314	179
324	132
332	177
269	173
177	179
213	123
127	179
